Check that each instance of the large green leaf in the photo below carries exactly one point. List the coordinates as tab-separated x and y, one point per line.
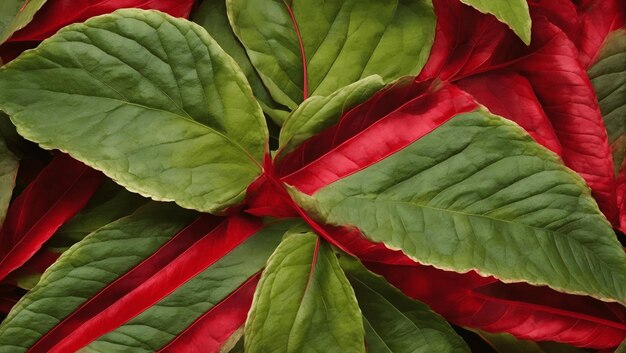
506	343
307	47
395	323
212	16
514	13
304	303
150	100
478	193
16	14
318	113
8	172
608	76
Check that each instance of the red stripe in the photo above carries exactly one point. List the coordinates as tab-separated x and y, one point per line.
61	190
386	136
209	332
305	80
184	256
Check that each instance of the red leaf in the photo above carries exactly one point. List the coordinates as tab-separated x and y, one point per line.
469	43
527	312
597	18
209	332
56	195
59	13
188	253
621	196
510	95
369	133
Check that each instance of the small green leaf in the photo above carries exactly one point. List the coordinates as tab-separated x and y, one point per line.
307	47
150	100
608	76
513	13
110	203
15	15
304	303
212	16
395	323
8	172
318	113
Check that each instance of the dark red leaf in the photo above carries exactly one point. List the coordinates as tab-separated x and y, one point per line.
621	196
56	195
56	14
188	253
534	313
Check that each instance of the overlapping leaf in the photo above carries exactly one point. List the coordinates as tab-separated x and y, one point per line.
154	93
505	343
532	313
16	14
212	16
460	189
394	323
608	75
302	49
514	13
562	99
124	271
61	190
304	303
60	13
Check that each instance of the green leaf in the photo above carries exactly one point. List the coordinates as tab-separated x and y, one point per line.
513	13
171	114
8	172
86	268
478	193
304	302
318	113
110	203
621	348
212	16
506	343
154	328
343	41
395	323
15	15
608	76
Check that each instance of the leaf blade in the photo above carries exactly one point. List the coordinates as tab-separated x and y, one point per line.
157	134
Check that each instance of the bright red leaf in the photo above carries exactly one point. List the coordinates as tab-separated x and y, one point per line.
56	195
534	313
57	14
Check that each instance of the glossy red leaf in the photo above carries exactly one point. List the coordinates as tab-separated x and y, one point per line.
188	253
527	312
56	195
57	14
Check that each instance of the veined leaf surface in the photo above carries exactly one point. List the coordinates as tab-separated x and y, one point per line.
395	323
461	189
512	12
171	113
306	48
119	285
304	303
